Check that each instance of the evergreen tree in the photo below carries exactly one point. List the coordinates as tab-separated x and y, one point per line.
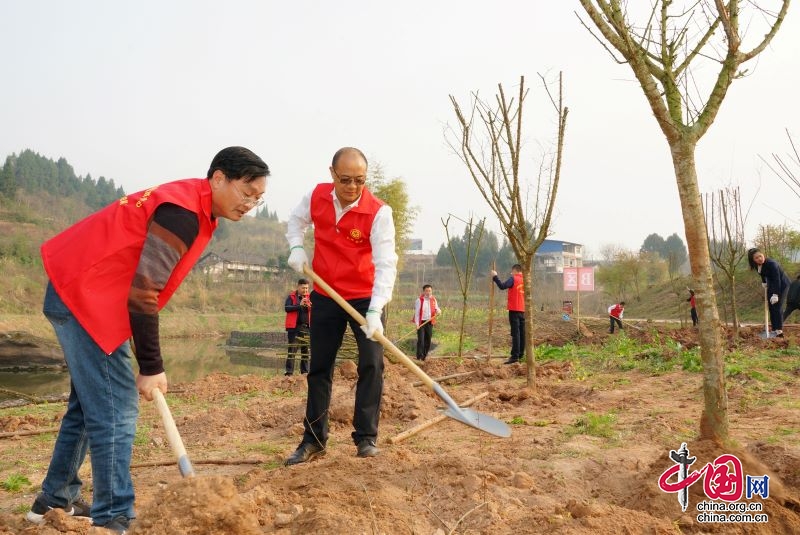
8	182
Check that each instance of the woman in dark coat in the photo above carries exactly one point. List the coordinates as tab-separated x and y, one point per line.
775	281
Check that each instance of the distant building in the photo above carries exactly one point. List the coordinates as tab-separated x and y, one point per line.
554	255
233	267
414	244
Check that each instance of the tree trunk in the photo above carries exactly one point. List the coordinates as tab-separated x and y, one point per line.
714	421
527	270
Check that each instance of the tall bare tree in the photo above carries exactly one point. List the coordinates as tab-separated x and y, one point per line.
661	52
726	222
488	140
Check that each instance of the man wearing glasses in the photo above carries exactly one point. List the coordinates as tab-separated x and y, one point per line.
109	276
354	252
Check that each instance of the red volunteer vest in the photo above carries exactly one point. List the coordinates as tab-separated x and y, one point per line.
343	252
291	317
418	315
516	295
92	263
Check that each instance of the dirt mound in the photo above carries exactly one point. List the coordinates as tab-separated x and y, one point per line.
201	506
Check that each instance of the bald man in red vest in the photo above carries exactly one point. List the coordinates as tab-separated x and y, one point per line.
354	252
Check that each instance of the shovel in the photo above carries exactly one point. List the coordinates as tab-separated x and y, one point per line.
766	334
173	437
475	419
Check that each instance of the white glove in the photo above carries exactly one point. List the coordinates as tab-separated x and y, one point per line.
773	299
373	325
297	258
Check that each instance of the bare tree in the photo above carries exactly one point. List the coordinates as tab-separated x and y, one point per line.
473	235
726	222
489	142
783	166
660	52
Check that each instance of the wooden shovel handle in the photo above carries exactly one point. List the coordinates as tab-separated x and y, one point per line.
385	342
173	437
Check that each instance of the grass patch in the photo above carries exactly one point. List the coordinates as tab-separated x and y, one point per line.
142	437
267	449
448	342
596	425
518	420
15	483
272	465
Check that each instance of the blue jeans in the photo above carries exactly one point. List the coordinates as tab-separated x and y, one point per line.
101	416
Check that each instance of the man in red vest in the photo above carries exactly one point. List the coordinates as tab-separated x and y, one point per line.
615	313
109	275
516	310
425	310
354	252
298	319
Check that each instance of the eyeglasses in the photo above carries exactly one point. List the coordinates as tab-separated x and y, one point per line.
247	200
347	180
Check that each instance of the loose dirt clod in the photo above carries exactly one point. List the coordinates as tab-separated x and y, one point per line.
207	505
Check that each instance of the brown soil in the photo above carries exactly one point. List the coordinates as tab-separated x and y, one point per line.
449	478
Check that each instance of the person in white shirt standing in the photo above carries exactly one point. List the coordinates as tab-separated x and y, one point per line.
425	310
354	252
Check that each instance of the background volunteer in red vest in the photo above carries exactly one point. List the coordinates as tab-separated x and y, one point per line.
425	310
615	313
516	310
109	275
298	319
354	252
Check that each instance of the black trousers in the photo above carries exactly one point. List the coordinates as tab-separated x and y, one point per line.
517	322
424	335
694	316
297	338
613	320
327	331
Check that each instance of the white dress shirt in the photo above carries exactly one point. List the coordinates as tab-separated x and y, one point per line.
381	238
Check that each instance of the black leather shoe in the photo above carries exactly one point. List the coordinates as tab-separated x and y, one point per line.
511	361
305	452
366	448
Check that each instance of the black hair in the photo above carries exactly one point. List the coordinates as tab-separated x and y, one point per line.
750	254
344	150
301	281
238	163
516	267
622	303
427	286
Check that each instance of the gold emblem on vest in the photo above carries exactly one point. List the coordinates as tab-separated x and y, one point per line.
355	236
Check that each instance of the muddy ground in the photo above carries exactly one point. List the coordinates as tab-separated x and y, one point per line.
449	478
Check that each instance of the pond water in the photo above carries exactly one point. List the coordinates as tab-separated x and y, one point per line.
184	360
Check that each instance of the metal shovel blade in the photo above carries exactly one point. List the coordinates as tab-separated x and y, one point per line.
481	421
472	418
767	334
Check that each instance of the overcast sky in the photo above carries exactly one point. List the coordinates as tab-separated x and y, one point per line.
147	92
